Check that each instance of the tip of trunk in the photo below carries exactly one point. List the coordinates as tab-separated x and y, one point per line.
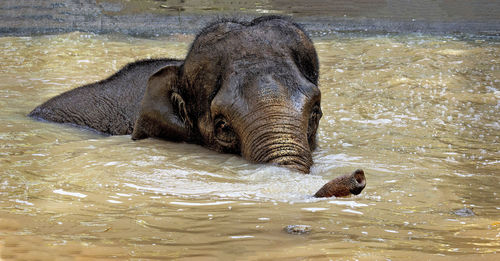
344	185
358	181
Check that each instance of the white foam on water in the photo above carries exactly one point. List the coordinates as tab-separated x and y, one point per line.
315	209
351	204
24	202
200	203
67	193
241	237
261	182
352	211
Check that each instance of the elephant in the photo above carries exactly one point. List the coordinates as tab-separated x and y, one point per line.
244	87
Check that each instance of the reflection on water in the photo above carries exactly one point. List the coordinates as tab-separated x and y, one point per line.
419	114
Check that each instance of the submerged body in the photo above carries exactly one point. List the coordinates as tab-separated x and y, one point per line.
128	86
248	88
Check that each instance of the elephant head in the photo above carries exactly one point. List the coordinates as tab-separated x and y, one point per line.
248	88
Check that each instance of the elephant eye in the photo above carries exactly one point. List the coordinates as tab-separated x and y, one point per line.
221	128
316	115
225	135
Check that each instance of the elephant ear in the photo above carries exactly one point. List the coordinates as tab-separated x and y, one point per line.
163	111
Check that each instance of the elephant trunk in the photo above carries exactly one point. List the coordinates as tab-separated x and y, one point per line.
344	185
279	139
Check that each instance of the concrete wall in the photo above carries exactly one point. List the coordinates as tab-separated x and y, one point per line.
165	17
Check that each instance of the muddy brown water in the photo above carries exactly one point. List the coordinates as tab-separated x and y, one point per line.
420	114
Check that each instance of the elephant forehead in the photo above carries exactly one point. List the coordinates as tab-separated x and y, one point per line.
268	88
265	91
245	40
242	46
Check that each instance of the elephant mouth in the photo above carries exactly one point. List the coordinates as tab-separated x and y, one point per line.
291	157
299	168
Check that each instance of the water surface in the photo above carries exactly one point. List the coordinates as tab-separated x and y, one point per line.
420	114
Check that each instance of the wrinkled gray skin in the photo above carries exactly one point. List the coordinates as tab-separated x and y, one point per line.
249	88
110	106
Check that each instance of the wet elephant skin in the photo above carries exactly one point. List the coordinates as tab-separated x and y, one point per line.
249	88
